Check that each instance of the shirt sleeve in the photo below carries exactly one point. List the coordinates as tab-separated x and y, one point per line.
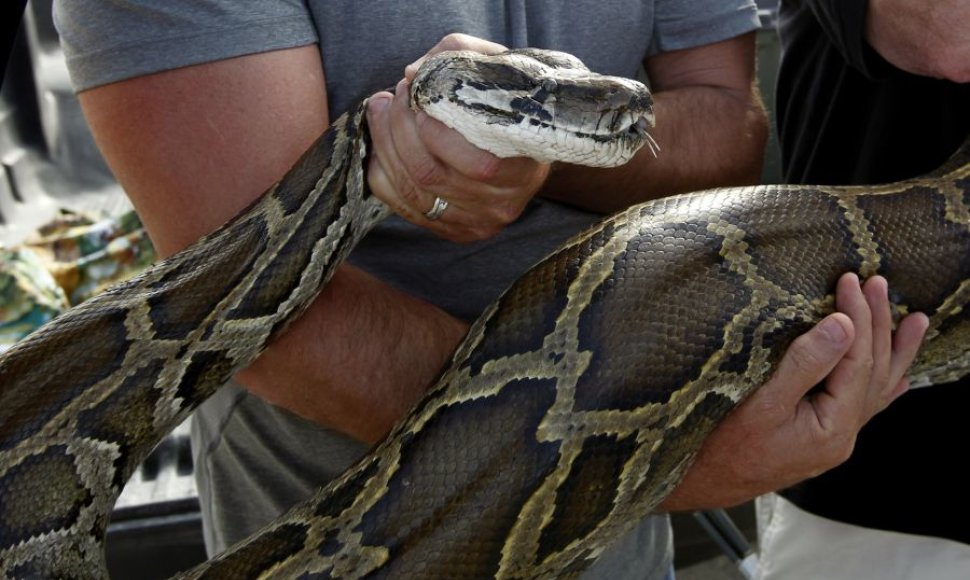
681	24
106	41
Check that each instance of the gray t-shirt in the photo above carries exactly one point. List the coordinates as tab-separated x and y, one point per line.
254	460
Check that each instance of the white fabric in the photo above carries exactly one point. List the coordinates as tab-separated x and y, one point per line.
798	545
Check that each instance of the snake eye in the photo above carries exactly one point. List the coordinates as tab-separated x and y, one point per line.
550	85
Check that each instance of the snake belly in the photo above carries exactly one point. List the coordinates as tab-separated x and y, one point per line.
571	409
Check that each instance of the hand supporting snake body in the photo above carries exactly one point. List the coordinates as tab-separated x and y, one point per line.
586	389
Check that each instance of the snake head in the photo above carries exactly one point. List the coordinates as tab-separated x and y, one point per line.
535	103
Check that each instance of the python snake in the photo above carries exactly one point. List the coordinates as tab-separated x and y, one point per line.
571	409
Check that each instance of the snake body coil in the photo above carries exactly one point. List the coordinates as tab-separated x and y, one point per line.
571	409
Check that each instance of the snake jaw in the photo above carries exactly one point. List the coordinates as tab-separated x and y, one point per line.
537	106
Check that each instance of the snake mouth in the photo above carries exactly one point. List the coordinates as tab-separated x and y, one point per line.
631	124
628	130
640	129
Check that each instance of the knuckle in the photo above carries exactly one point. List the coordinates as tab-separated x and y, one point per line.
485	167
426	173
843	449
880	376
505	212
410	193
765	404
803	356
454	41
836	446
883	401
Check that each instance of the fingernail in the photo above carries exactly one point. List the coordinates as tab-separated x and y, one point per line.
378	104
833	330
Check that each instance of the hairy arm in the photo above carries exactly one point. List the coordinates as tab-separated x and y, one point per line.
195	145
711	128
221	133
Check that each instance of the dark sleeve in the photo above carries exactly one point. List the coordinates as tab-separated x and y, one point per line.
844	22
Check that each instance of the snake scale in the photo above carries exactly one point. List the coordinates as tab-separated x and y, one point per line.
572	407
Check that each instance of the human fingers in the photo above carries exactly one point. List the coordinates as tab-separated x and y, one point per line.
382	170
809	359
842	404
454	151
435	154
881	389
906	342
893	351
402	172
778	436
762	445
412	179
455	41
416	164
439	161
492	191
872	375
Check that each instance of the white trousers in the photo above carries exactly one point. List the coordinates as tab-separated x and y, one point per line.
797	545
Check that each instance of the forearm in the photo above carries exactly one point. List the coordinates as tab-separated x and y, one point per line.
375	350
220	134
708	136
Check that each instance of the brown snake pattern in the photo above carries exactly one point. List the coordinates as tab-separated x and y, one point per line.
571	409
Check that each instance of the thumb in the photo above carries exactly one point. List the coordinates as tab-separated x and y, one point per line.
810	358
377	106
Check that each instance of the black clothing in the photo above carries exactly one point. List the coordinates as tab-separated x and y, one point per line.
845	115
